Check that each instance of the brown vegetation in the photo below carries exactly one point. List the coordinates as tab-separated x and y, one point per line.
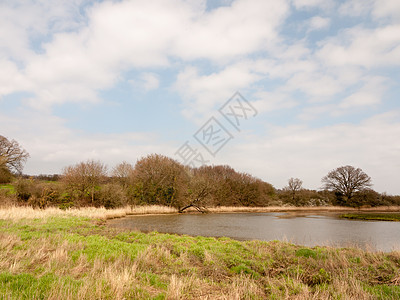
54	255
160	180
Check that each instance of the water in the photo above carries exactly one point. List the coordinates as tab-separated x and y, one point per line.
309	229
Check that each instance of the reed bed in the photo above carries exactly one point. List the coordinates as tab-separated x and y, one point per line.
27	212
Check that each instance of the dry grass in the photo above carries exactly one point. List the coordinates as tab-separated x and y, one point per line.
232	209
26	212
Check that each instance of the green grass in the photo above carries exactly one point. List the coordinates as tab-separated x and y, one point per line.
373	216
27	286
76	258
8	187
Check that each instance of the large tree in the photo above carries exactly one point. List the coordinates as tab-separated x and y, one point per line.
12	155
231	188
85	177
158	179
346	181
294	185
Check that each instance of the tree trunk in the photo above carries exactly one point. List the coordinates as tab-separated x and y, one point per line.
203	210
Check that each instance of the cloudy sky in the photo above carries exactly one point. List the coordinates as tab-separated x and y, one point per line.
117	80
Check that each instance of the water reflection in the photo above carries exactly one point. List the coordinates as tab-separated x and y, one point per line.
305	229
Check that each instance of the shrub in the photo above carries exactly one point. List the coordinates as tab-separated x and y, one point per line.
6	197
110	196
38	194
5	175
24	189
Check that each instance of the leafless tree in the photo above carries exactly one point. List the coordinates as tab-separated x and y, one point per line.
12	155
294	185
85	176
121	173
231	188
347	180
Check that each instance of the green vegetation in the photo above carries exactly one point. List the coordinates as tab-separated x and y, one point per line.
81	258
373	216
8	188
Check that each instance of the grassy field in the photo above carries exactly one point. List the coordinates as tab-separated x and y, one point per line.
373	216
54	254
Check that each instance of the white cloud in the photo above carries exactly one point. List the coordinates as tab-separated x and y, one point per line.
387	8
317	86
150	81
147	81
244	27
308	4
11	80
265	101
24	21
310	153
363	47
370	94
383	10
203	92
355	7
316	111
318	23
128	34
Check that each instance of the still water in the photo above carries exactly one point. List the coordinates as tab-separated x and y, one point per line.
308	229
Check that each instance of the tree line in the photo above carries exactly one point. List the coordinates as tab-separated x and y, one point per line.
158	179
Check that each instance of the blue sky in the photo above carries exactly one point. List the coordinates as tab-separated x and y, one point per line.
117	80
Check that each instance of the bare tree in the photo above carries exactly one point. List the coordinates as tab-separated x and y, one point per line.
199	190
12	155
346	181
85	176
121	173
231	188
294	185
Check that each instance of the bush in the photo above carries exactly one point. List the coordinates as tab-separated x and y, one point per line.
110	196
38	194
5	175
24	189
7	198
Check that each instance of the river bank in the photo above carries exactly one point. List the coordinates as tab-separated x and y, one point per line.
71	255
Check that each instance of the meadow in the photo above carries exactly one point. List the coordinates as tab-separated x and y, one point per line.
72	254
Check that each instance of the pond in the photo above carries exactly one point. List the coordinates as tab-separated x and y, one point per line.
309	229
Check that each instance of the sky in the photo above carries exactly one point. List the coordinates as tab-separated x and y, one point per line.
277	89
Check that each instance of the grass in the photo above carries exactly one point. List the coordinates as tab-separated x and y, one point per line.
21	212
54	254
373	216
9	188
